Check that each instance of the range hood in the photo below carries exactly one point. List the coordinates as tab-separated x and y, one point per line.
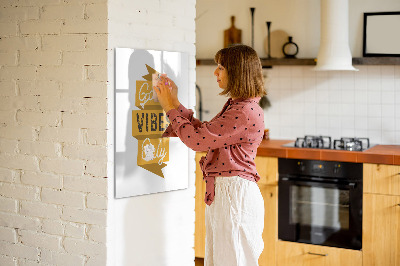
334	51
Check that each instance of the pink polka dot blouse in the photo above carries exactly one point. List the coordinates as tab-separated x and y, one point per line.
231	139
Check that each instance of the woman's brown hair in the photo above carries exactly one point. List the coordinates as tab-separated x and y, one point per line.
245	78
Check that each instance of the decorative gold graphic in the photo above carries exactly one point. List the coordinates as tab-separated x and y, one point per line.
144	95
154	152
148	124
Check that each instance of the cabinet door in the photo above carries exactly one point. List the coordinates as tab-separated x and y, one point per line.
270	233
297	254
381	230
200	207
267	168
381	179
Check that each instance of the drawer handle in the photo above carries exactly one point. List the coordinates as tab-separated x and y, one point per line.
318	254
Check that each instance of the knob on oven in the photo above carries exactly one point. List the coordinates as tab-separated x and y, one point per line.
301	165
336	169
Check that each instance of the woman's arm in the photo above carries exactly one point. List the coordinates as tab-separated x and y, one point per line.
228	129
173	94
186	113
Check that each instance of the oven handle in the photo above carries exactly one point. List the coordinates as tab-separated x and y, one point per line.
298	181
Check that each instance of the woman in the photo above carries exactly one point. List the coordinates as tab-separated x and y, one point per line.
235	207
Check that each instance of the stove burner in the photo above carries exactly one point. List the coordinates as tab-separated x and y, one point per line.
324	142
308	141
351	144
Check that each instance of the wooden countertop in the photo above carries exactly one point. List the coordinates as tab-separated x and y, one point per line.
379	154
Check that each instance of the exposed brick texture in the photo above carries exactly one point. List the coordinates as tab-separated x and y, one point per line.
53	56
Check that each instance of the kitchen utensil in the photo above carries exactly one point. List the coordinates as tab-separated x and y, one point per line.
232	35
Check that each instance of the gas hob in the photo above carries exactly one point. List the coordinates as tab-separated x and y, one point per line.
325	142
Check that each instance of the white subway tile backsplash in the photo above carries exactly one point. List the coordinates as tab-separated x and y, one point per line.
361	97
374	111
297	83
374	70
334	109
389	136
335	95
374	84
374	97
348	96
322	109
310	96
375	136
322	95
322	121
360	80
397	96
335	122
285	132
297	72
310	108
397	110
388	97
334	80
388	84
322	74
297	97
388	110
348	133
361	123
347	77
347	110
284	83
360	133
286	120
374	123
387	72
322	83
388	124
308	72
348	122
361	110
397	71
338	104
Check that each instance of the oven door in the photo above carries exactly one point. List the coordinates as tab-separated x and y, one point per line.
321	212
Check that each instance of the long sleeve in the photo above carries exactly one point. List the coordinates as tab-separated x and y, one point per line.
225	130
186	113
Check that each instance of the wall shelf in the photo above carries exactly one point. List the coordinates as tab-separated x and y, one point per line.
312	61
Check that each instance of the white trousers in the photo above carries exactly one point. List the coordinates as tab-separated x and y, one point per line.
234	223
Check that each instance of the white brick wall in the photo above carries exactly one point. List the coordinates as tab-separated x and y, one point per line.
53	110
149	229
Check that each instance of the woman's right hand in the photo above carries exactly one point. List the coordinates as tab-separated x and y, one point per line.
174	91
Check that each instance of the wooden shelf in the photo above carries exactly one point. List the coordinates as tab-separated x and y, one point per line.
376	61
312	61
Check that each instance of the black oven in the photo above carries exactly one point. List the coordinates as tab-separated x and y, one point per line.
320	202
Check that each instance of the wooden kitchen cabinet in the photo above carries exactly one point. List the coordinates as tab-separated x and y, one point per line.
381	215
270	233
381	230
298	254
267	168
381	179
200	207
